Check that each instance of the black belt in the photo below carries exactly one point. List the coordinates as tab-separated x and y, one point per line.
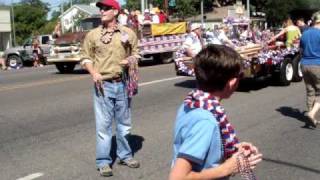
114	80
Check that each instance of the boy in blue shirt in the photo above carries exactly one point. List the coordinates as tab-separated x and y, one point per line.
205	143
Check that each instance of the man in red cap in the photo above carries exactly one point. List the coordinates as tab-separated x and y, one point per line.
109	54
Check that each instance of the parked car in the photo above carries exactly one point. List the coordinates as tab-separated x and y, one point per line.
17	57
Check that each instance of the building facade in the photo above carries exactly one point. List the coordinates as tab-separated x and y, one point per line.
70	19
5	29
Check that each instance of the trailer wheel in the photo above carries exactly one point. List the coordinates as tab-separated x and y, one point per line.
286	72
65	67
165	58
297	75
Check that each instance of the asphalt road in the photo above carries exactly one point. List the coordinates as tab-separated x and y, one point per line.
47	126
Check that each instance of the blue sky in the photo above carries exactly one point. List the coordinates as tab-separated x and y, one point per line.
54	4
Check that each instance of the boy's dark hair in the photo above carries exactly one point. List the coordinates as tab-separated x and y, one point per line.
215	65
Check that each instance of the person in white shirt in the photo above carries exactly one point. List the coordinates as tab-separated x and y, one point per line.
193	43
147	17
123	17
154	17
213	35
140	17
223	36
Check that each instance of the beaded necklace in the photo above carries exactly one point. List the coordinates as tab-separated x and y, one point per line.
204	100
200	99
107	33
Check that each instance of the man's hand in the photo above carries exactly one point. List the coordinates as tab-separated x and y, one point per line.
97	77
124	63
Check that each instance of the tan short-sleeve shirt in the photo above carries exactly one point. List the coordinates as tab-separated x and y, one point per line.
106	57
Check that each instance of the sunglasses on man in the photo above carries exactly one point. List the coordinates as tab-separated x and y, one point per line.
105	8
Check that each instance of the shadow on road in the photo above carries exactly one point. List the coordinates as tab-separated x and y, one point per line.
135	142
76	71
191	84
245	85
292	165
296	114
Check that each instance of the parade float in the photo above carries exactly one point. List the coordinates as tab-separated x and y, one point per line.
259	58
159	42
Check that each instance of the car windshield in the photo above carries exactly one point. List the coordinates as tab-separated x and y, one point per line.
70	38
28	42
90	23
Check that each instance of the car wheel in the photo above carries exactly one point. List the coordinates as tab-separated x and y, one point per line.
14	62
44	61
65	67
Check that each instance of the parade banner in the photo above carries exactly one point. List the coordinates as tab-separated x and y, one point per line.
168	28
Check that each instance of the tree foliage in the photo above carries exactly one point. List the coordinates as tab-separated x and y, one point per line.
185	8
307	4
29	17
278	10
133	4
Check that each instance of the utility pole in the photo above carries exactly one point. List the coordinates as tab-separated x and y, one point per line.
165	6
61	11
248	8
13	26
202	14
142	6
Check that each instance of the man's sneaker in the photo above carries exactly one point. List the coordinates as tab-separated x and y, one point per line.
130	162
313	121
105	171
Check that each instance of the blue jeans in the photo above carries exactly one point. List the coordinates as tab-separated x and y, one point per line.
114	105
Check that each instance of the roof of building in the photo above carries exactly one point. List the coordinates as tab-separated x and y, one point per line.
89	9
216	15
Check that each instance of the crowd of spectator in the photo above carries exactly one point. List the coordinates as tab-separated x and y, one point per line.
135	18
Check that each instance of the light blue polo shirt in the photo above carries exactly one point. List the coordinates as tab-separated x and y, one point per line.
197	138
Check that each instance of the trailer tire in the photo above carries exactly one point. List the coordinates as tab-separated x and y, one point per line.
167	57
297	71
64	68
286	72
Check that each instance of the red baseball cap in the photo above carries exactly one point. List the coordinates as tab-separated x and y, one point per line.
112	3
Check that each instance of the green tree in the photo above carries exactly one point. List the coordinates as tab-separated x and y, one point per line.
30	16
133	4
185	8
307	4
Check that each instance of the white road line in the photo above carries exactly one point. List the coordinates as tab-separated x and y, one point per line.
160	80
31	176
46	82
